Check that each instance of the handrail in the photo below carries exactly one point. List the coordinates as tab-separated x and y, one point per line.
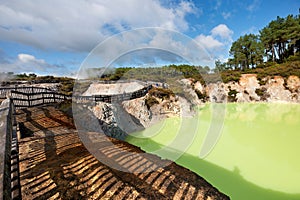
34	96
24	100
6	91
9	170
114	97
9	167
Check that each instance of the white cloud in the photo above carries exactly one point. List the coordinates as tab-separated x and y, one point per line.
226	15
26	58
218	42
223	31
218	4
208	42
26	63
146	46
29	63
254	5
80	25
220	36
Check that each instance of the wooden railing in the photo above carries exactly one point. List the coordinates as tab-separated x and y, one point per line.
29	97
9	159
113	98
6	91
24	97
25	100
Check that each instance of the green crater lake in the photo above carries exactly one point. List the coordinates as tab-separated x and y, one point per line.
256	156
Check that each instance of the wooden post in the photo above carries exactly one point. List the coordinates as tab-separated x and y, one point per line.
29	104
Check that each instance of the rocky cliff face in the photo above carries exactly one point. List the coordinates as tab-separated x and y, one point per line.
119	119
250	89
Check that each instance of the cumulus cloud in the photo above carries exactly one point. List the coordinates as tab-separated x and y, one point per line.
148	46
222	31
220	36
26	58
209	42
26	63
217	43
79	25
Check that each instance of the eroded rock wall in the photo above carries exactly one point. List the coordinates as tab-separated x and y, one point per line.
250	89
119	119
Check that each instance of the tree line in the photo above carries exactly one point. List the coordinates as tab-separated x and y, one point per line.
277	42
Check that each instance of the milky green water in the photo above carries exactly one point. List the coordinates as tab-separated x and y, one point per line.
257	155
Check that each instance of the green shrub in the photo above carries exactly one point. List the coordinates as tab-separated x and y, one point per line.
232	95
262	81
285	70
202	96
270	64
150	101
65	107
161	93
262	93
295	57
66	87
230	75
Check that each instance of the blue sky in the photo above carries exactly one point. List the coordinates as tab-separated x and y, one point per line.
54	37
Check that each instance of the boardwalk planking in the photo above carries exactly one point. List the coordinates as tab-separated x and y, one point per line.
55	165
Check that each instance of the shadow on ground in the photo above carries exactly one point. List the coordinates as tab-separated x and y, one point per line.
54	164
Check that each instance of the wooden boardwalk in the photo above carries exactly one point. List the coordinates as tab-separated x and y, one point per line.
55	165
25	97
6	91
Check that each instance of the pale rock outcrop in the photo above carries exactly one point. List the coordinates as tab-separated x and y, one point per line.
190	94
138	109
248	89
111	89
293	83
249	84
120	119
106	115
115	121
126	117
217	92
166	108
277	91
198	86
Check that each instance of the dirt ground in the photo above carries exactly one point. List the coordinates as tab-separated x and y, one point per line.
54	164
